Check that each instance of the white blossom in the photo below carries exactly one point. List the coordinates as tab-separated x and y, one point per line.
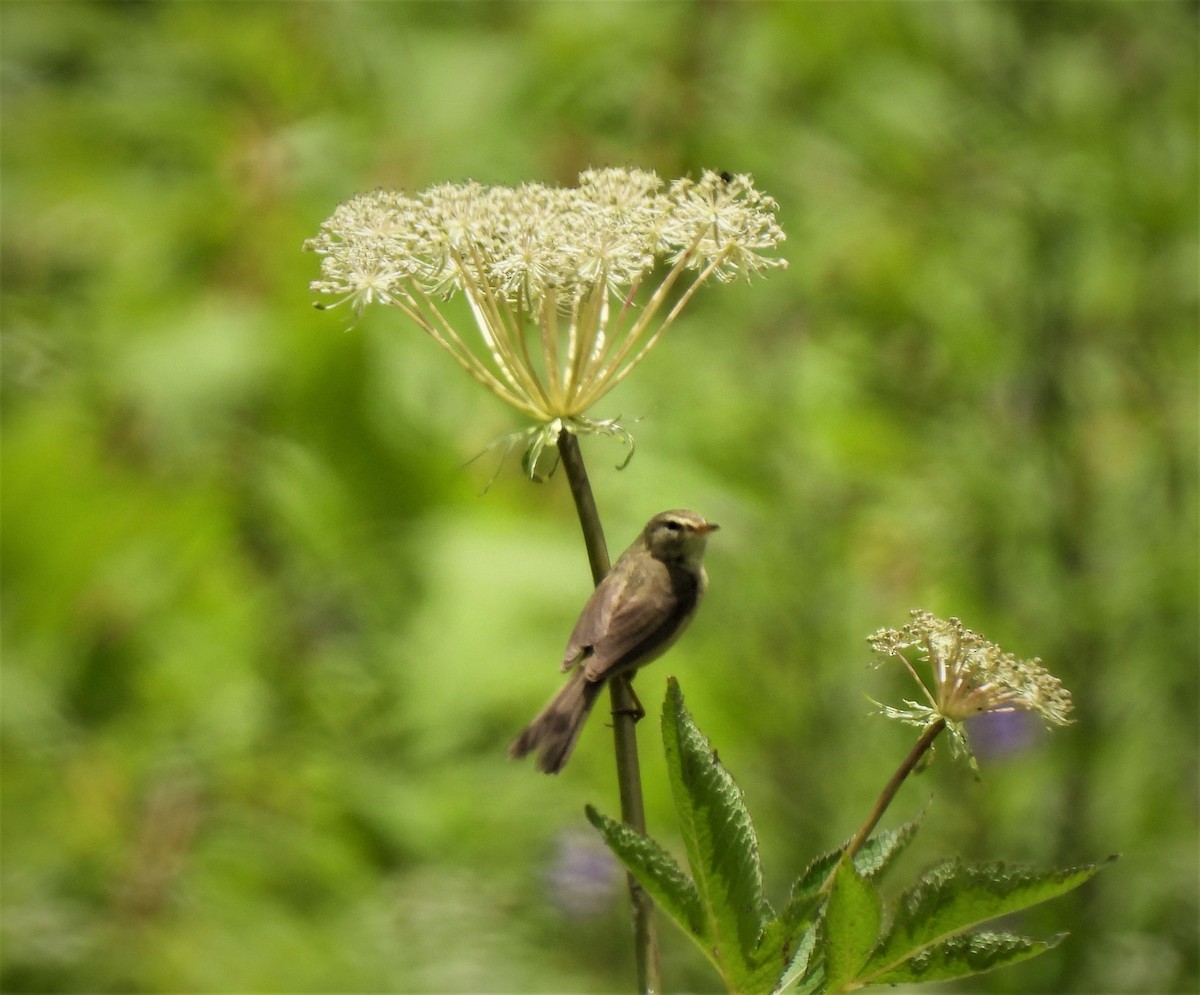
968	675
567	286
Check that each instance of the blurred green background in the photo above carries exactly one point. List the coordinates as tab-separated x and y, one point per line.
264	639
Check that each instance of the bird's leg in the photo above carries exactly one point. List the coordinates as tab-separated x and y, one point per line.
637	711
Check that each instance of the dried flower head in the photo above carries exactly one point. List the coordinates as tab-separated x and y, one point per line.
970	676
558	280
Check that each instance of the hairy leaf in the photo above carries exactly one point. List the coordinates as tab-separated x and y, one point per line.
781	951
952	897
961	956
656	871
879	852
721	846
806	967
871	861
852	918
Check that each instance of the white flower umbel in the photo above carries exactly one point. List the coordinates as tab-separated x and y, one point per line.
568	287
969	676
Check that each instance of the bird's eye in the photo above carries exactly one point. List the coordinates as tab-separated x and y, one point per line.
673	525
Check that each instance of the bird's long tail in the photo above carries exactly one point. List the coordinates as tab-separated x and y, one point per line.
556	727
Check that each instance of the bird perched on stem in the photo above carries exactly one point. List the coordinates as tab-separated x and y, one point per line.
636	612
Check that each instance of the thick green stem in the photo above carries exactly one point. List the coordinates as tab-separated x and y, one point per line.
629	775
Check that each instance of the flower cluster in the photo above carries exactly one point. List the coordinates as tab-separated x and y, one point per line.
558	280
970	676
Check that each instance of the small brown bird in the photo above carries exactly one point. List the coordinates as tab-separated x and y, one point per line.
636	612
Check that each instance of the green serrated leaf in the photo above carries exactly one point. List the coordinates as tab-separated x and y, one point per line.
880	851
852	919
805	967
952	897
777	951
871	861
962	956
784	951
721	845
807	889
656	871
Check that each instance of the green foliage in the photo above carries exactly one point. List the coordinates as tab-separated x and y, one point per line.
850	927
926	938
658	873
831	936
962	956
953	897
721	847
721	906
800	917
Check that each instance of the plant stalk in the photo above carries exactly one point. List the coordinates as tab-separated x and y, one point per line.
922	745
629	775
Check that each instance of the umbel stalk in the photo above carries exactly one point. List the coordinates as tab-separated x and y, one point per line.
629	775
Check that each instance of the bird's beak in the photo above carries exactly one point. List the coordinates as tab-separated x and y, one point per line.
707	527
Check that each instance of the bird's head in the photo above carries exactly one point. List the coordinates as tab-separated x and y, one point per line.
677	536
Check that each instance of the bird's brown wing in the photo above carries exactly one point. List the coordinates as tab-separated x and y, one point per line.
593	622
618	629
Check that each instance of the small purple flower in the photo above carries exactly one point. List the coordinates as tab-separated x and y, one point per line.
996	735
582	876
